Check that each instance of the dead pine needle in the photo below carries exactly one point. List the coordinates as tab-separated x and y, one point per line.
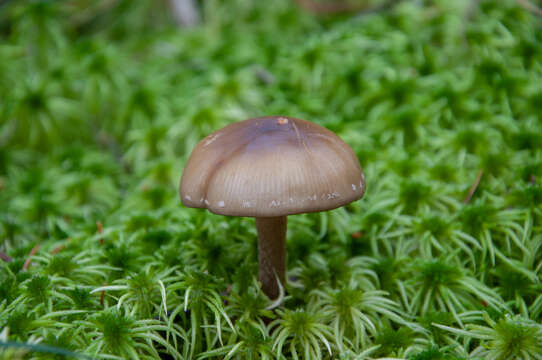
102	297
57	249
100	231
28	260
474	187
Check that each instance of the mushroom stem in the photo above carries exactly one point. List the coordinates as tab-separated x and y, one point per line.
271	253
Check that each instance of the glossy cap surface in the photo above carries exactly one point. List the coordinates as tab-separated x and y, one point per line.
271	166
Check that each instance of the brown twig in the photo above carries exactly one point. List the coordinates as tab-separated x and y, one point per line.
100	231
474	187
527	5
102	297
57	249
60	247
5	257
28	260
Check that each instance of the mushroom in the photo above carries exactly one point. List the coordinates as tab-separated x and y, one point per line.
268	168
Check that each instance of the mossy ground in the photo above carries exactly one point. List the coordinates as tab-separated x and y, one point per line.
101	103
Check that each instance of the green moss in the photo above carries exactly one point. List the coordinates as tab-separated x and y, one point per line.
155	239
515	339
391	341
436	317
120	256
37	288
437	272
475	217
444	172
20	323
512	283
115	329
388	271
434	353
413	194
102	103
528	196
81	298
436	225
62	341
9	288
61	264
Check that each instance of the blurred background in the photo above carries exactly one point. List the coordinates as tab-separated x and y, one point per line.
102	101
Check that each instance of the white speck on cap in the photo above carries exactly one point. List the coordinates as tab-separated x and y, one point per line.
354	187
221	204
282	121
211	139
333	195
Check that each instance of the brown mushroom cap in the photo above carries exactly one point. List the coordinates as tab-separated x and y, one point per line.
271	166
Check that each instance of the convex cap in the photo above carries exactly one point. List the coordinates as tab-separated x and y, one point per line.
271	166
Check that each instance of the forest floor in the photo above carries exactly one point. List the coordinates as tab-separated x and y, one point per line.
101	104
